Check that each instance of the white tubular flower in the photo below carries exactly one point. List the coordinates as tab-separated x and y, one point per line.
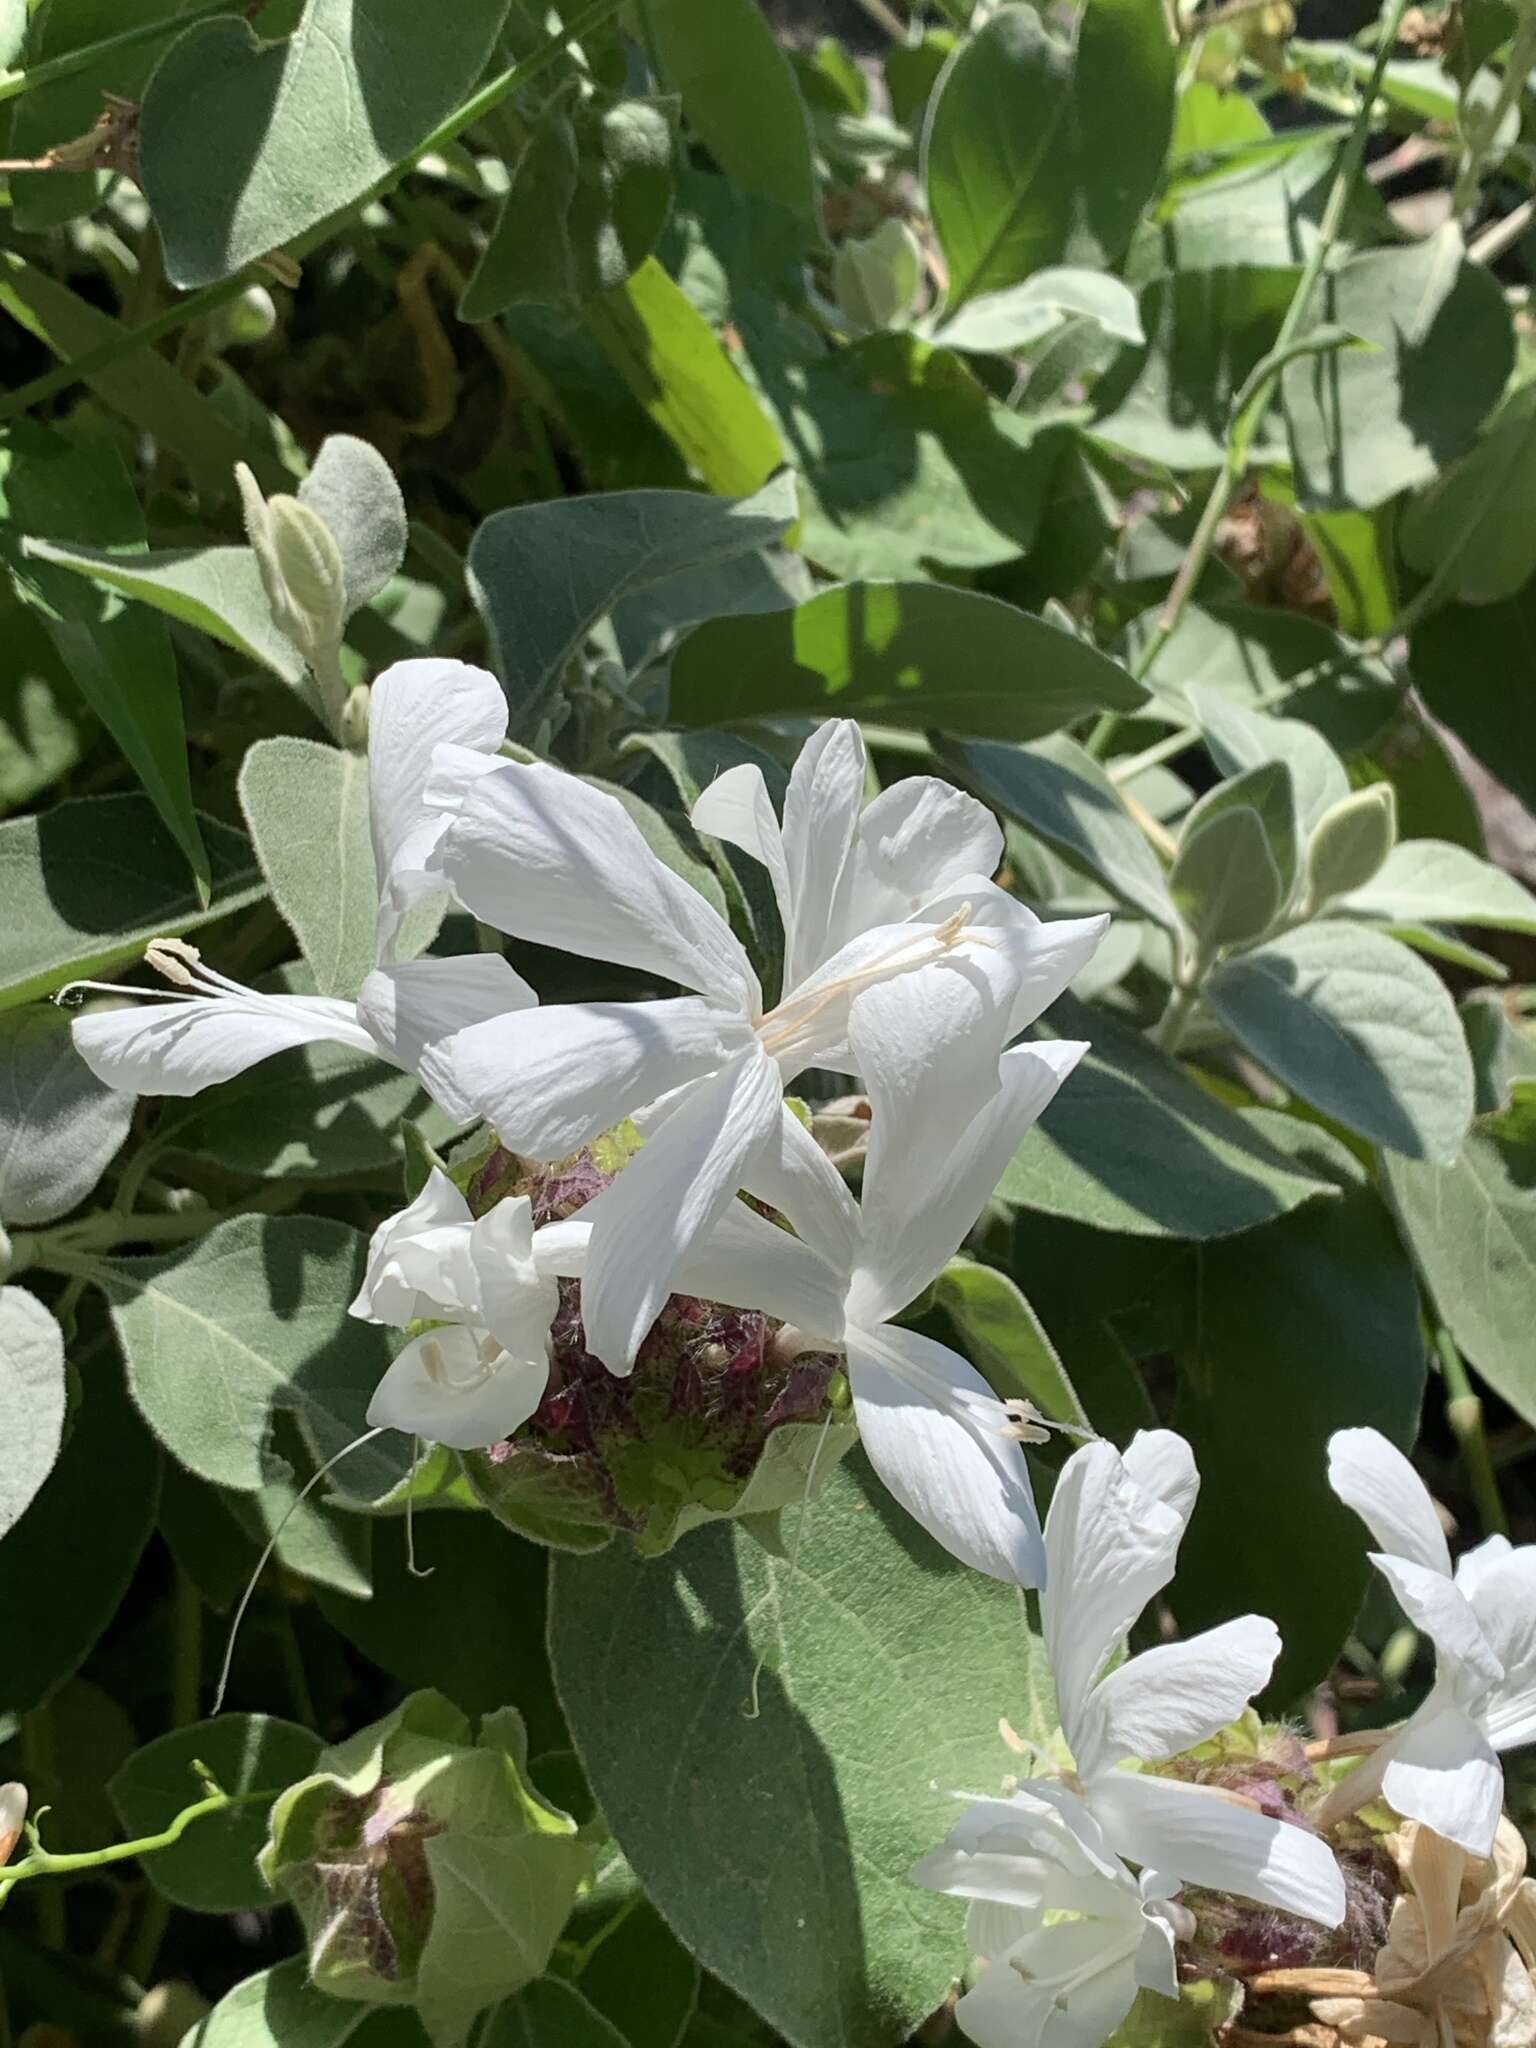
1111	1539
481	1375
543	856
211	1028
1069	1936
1441	1766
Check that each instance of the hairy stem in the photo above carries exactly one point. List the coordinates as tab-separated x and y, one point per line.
1517	66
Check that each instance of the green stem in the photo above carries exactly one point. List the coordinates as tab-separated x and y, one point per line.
186	1682
1522	55
1464	1412
14	83
1169	1031
80	369
41	1765
42	1863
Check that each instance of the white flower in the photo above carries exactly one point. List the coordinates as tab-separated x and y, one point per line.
548	858
213	1028
484	1370
1111	1539
1069	1936
1441	1766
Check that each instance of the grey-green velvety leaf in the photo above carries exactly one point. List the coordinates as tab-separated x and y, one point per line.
542	576
876	1649
1472	1226
1005	1340
250	1321
243	144
1241	738
997	160
887	651
212	1869
1360	1028
1124	73
89	883
1350	843
280	2008
1012	318
32	1391
354	491
1060	793
306	806
1367	423
1225	880
59	1126
1133	1144
739	97
1462	659
218	590
1481	515
1434	881
44	725
550	2014
13	31
1502	1053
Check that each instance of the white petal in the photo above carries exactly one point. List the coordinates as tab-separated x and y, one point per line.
1157	1967
551	1080
1195	1833
180	1048
561	1248
419	1260
1043	957
1445	1773
821	811
518	1300
441	1389
793	1175
1500	1584
1161	1462
1109	1546
1436	1605
737	808
927	1178
1177	1695
669	1196
1373	1477
1066	1985
417	1004
546	857
412	708
915	841
933	1430
748	1262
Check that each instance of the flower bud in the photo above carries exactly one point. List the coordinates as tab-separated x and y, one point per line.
305	582
13	1812
402	1843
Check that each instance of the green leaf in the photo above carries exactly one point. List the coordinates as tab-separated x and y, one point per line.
1472	1227
997	158
543	576
1123	94
44	726
1005	1340
1236	862
89	883
1502	1053
32	1392
1276	1311
587	203
1462	659
684	382
739	97
1269	660
217	590
637	1947
353	489
1061	794
66	1565
243	144
877	278
1136	1145
119	655
1240	738
212	1869
710	1698
280	2008
1479	520
552	2014
887	651
1359	1028
59	1126
249	1322
1350	843
1022	313
306	807
1368	423
1430	879
13	31
1359	560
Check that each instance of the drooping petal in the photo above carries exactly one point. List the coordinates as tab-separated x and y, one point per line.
518	1301
915	841
934	1431
546	857
1172	1697
1110	1546
927	1181
1162	1464
748	1262
445	1388
669	1197
414	707
1044	956
1444	1772
737	808
560	1248
418	1003
1372	1476
821	812
1196	1834
1438	1607
551	1080
419	1261
792	1174
1067	1984
1157	1966
1500	1585
184	1046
